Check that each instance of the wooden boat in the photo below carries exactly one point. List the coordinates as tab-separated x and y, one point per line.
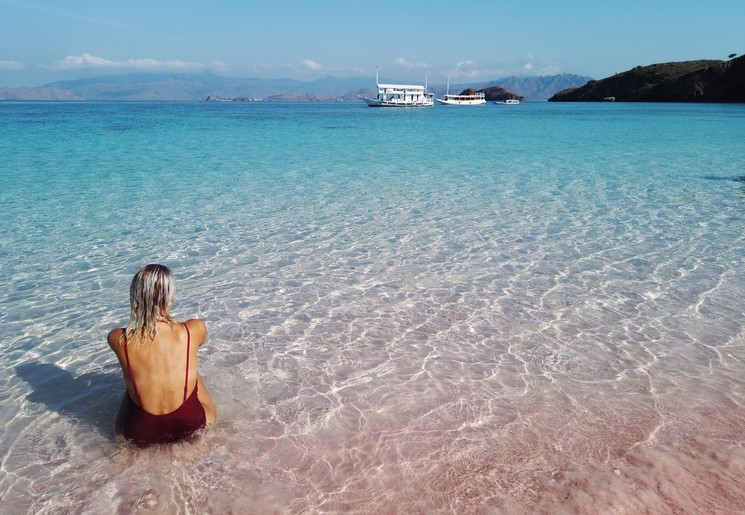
473	99
400	95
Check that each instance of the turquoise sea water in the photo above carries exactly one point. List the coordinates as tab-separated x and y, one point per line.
487	309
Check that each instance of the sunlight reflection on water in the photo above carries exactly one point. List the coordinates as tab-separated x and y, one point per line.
548	331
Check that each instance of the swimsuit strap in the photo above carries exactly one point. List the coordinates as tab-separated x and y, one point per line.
131	374
188	344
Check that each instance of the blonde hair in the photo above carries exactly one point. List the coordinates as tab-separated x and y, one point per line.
150	297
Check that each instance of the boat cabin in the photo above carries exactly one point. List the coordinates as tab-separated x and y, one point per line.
403	94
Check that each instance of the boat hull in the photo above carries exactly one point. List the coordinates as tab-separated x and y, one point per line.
374	102
475	102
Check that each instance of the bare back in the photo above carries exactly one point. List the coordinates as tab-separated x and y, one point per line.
160	367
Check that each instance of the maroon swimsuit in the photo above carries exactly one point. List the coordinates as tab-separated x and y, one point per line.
144	428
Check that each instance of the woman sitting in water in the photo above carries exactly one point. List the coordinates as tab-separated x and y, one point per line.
165	398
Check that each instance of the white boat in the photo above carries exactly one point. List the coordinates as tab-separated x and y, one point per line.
509	101
400	95
462	100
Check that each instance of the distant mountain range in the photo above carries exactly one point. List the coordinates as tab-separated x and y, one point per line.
685	81
538	88
195	87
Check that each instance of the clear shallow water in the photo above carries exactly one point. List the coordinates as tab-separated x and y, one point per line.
503	309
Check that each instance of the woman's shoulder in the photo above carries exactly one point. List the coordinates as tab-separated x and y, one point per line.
115	335
197	329
196	324
114	339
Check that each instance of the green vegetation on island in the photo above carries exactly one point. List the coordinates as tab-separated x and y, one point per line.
688	81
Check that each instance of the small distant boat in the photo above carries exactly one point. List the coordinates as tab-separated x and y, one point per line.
473	99
400	95
509	101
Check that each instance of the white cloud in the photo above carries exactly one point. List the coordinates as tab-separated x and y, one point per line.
84	61
472	71
219	66
11	65
403	63
305	68
312	65
542	69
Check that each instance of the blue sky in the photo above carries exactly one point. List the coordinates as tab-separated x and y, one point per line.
472	40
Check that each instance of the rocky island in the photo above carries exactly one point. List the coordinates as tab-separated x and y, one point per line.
497	94
688	81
